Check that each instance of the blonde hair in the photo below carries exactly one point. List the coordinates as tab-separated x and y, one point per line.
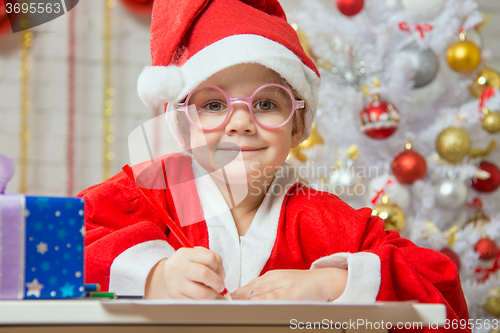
299	125
298	120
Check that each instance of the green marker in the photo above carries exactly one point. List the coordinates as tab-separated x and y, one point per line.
102	295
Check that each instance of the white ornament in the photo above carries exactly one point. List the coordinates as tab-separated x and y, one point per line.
423	11
391	4
451	194
398	194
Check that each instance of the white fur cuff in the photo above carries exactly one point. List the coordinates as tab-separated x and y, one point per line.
363	278
131	268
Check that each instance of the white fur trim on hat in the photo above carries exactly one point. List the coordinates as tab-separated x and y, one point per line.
159	84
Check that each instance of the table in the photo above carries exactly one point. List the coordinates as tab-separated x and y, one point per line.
124	316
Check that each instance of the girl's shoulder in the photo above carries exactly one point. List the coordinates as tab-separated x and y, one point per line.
120	194
148	173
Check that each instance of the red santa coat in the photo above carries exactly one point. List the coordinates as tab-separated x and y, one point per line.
125	238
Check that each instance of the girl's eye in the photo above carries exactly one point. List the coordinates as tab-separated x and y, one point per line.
265	105
214	106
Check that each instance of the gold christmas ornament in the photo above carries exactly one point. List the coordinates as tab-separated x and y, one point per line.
313	140
453	144
487	77
463	56
393	216
491	121
492	305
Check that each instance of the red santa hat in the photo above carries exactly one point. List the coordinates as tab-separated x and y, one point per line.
194	39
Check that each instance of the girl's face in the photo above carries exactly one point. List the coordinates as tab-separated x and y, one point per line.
262	150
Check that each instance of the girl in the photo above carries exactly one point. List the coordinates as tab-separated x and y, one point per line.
238	83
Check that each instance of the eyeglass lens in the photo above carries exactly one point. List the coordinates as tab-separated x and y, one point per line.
271	106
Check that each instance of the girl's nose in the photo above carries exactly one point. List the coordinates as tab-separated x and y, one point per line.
240	120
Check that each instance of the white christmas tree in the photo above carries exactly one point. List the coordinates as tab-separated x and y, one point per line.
408	111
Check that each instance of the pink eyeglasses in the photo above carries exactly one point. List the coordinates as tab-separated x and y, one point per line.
271	106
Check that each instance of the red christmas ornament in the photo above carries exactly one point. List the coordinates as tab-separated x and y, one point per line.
409	166
350	7
141	7
486	248
452	255
490	184
379	119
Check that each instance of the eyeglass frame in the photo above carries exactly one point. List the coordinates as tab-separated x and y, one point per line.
296	104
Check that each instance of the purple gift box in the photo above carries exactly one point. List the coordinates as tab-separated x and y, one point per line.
41	244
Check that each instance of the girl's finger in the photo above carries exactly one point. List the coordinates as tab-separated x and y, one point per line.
195	290
202	274
276	294
243	292
208	258
181	296
257	287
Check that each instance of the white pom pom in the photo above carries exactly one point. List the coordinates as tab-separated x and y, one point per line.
159	84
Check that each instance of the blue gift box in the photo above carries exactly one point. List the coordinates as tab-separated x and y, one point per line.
54	248
41	244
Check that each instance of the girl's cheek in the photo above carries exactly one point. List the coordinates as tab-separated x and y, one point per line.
285	142
199	137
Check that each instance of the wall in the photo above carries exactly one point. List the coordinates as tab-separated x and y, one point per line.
47	163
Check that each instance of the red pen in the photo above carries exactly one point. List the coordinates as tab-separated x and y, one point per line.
164	215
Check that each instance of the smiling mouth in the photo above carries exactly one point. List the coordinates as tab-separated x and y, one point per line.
243	149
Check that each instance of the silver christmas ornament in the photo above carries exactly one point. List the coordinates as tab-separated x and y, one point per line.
424	11
425	63
345	182
451	193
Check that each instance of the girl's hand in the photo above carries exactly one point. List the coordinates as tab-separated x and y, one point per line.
325	284
189	274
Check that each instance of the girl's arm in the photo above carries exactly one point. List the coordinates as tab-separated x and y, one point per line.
123	239
127	243
402	271
409	272
321	231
